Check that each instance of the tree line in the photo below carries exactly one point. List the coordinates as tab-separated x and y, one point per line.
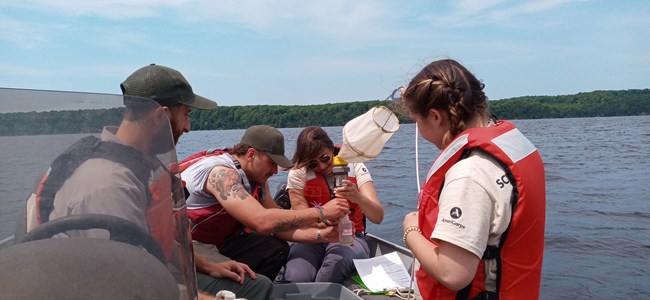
590	104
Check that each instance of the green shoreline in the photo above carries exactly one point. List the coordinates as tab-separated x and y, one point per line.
582	105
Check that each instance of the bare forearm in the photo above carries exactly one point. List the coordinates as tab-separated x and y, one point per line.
206	265
369	203
448	264
201	263
311	235
299	235
373	210
298	201
280	220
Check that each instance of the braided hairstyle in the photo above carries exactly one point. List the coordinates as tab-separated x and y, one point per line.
447	86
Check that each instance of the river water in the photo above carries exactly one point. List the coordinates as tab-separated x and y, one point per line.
597	180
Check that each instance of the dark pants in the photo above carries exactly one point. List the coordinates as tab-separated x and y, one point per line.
264	254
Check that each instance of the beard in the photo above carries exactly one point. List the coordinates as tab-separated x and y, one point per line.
163	141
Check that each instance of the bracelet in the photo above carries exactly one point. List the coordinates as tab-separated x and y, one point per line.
318	236
408	230
320	211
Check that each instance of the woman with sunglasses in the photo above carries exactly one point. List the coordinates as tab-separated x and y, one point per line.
310	184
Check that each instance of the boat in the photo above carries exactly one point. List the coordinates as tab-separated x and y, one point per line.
39	125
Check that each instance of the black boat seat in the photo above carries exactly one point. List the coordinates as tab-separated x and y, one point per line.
81	268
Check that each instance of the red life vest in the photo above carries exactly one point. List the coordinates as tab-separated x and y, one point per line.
190	160
159	212
317	191
213	224
520	251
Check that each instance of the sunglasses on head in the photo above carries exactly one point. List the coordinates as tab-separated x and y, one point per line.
325	158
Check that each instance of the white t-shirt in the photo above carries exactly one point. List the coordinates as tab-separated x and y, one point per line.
196	175
297	178
474	206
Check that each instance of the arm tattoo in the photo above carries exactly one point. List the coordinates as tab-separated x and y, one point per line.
227	185
288	225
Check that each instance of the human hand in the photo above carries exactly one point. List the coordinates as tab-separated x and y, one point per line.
335	208
330	234
348	191
411	219
231	269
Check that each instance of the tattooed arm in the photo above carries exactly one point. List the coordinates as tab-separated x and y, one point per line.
225	185
309	235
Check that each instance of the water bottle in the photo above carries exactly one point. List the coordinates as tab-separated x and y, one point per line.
345	231
340	172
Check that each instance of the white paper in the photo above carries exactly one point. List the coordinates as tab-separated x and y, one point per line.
382	273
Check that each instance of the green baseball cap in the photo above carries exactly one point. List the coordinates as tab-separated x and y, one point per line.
268	139
165	86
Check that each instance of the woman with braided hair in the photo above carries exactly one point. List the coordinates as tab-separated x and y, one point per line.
479	228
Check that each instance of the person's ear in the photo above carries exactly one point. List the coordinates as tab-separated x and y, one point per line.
435	116
161	114
250	153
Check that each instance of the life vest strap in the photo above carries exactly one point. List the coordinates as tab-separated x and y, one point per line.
484	295
491	252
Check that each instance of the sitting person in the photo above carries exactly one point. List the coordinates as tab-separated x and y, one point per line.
310	184
231	207
124	174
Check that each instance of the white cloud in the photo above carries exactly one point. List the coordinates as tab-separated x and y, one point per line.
341	20
24	35
467	13
111	9
348	21
529	7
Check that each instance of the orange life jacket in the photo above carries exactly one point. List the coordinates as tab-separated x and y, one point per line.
520	251
317	192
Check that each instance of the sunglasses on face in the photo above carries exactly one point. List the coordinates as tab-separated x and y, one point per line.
325	158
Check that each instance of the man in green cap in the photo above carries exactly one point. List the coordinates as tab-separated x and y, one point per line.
170	89
127	173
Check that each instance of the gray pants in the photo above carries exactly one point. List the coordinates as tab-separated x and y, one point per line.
260	288
324	262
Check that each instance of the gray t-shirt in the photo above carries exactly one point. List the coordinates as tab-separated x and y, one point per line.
93	190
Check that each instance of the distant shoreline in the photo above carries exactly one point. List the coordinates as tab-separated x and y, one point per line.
581	105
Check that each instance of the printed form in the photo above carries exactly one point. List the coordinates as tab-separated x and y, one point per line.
382	273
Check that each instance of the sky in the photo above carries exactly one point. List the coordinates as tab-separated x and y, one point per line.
296	52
